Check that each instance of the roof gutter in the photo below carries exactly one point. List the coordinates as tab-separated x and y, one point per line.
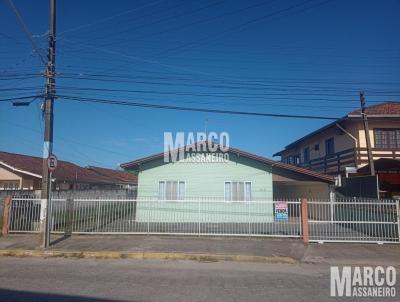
374	115
20	171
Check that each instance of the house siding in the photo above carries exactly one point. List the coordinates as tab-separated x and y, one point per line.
341	142
205	180
344	142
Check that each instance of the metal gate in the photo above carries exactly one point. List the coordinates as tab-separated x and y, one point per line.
354	221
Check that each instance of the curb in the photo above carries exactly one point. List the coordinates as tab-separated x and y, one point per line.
148	256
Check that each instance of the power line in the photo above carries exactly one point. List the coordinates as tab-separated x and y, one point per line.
257	105
242	25
34	97
66	140
220	83
247	96
109	18
18	78
189	24
167	107
20	88
91	71
26	30
172	17
283	91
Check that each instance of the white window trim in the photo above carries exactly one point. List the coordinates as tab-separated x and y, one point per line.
165	191
244	181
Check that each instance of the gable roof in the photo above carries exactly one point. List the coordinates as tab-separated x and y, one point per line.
66	171
386	109
120	176
275	164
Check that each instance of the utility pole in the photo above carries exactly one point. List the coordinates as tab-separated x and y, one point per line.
366	129
48	130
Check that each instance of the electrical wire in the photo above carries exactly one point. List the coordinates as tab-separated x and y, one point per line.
185	26
284	92
167	107
26	30
34	97
241	26
80	27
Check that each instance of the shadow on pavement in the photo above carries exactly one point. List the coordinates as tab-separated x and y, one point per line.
7	295
58	240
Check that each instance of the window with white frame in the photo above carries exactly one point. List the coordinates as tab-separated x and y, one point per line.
237	191
171	190
387	138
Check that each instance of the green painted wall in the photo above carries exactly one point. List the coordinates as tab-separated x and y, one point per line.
205	180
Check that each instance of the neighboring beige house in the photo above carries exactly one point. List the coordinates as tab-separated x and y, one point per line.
14	180
342	143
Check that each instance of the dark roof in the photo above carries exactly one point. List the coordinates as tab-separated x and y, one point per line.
121	176
66	171
382	164
264	160
387	109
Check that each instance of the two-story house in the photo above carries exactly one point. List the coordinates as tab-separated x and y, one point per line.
341	145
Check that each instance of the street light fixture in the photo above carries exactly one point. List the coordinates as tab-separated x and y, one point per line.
21	104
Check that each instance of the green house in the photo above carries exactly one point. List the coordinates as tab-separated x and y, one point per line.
230	187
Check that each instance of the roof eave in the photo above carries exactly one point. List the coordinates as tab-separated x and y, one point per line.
374	115
19	170
312	133
255	157
278	153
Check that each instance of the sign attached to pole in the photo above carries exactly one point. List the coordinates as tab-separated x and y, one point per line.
52	162
281	211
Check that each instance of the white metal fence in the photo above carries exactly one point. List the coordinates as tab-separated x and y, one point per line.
354	220
342	220
184	217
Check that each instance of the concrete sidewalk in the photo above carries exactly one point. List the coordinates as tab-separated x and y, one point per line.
211	248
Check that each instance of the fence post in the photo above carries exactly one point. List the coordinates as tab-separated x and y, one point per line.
398	217
6	215
248	217
199	217
304	219
69	216
134	208
98	215
148	216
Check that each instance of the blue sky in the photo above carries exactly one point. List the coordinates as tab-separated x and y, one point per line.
289	57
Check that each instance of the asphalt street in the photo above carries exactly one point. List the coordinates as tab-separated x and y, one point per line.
89	280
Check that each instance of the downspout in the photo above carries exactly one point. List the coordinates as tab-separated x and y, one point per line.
348	133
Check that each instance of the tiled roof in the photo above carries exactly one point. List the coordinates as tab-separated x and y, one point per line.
66	171
387	108
273	163
121	176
